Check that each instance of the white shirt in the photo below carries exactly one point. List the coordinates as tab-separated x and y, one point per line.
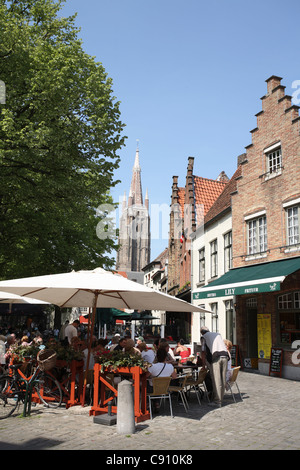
70	332
148	355
159	370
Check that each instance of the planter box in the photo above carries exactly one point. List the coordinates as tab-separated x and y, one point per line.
101	384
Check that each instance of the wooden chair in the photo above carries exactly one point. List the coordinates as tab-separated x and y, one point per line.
181	389
160	390
196	384
233	381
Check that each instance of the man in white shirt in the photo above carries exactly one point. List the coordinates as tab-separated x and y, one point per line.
71	330
214	353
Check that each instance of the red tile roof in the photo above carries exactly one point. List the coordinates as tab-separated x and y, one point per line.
224	200
207	191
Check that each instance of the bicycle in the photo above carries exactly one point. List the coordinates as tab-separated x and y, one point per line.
16	387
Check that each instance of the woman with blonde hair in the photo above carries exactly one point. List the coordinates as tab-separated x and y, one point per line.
228	345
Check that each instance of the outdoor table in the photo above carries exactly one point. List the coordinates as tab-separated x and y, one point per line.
182	367
139	378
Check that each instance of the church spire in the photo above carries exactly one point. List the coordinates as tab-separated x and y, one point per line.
134	231
136	184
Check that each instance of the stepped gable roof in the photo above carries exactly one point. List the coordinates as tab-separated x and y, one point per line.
223	202
207	191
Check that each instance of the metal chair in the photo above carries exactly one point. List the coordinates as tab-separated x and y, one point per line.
160	390
196	384
181	389
233	381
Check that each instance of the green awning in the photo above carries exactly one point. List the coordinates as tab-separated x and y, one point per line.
264	277
109	315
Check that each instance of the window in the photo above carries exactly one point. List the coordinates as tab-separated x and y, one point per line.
274	161
214	317
257	235
202	316
289	317
227	251
292	226
214	258
202	265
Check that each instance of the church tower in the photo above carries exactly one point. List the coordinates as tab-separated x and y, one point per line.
134	230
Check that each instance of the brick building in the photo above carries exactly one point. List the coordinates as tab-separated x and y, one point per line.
189	204
265	279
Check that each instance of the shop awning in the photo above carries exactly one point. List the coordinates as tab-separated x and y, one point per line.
264	277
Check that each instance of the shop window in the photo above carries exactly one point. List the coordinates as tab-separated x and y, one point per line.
252	302
289	317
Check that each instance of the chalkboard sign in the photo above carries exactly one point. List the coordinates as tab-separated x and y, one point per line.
276	361
235	356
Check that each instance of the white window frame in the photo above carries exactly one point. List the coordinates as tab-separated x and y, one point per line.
227	251
214	258
214	317
202	265
273	158
257	235
292	222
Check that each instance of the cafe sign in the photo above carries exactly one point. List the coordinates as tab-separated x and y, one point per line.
235	289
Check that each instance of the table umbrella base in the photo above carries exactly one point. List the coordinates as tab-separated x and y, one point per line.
106	419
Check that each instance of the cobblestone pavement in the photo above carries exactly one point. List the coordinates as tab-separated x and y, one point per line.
267	418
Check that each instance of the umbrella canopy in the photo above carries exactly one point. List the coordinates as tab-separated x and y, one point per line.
9	298
97	288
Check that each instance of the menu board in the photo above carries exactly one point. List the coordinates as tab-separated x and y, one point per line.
264	337
276	361
235	356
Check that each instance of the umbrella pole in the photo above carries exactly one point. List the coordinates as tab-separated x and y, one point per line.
90	340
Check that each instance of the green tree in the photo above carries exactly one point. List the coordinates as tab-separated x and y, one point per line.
60	133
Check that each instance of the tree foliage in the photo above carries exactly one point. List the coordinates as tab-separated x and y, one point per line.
60	133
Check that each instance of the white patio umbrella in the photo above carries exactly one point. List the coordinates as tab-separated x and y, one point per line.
9	298
96	288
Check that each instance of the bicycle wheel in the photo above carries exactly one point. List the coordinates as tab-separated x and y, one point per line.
10	396
49	391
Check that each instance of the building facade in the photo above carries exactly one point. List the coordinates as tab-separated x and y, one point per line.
189	205
265	279
211	258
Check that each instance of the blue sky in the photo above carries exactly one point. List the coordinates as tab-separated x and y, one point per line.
189	76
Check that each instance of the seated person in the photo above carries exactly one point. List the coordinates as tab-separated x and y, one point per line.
170	357
121	345
130	348
160	369
228	345
182	351
147	354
